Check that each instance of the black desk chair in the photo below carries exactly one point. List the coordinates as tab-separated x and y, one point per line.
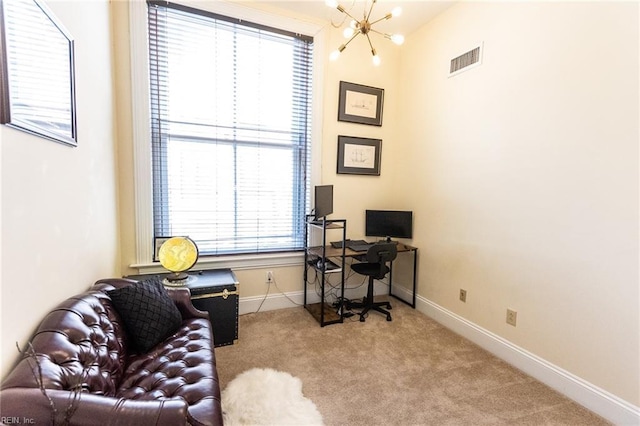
375	268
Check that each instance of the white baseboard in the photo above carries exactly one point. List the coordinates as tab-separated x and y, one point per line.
274	301
278	300
601	402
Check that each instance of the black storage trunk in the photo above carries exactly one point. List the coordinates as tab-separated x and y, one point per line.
216	292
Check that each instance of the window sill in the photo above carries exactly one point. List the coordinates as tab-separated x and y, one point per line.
236	262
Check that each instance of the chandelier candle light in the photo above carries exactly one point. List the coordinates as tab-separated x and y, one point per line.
365	26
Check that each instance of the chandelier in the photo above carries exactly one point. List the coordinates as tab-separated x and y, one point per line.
364	27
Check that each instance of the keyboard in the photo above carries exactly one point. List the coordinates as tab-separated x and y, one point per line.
338	244
348	243
363	246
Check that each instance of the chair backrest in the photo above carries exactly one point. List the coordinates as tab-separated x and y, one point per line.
382	253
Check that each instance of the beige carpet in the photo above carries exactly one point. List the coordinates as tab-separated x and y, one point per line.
410	371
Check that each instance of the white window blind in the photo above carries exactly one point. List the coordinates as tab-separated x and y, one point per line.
230	124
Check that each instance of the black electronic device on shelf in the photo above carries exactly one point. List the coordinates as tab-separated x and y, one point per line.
328	266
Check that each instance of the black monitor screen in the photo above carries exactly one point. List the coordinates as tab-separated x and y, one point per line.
389	223
323	201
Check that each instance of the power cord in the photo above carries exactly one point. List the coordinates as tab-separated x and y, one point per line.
334	290
264	298
284	294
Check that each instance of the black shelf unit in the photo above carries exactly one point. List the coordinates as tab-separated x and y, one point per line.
322	311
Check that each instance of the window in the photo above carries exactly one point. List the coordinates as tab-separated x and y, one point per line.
230	130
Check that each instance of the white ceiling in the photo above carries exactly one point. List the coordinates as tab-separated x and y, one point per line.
414	13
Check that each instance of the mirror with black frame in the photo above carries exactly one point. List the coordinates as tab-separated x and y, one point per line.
37	81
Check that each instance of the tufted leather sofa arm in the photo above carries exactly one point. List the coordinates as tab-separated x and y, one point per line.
31	406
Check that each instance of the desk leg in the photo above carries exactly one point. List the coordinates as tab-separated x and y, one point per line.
415	270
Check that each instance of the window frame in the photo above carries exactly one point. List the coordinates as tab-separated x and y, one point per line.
143	184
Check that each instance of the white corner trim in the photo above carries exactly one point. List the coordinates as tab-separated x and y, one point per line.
278	300
143	190
274	300
598	400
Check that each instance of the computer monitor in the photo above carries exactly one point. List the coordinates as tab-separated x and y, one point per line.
323	201
389	223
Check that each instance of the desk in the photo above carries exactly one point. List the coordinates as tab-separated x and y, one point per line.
329	251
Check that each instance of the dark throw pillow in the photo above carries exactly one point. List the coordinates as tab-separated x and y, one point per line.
148	313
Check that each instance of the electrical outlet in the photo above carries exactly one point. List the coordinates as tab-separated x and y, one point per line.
463	295
511	317
269	278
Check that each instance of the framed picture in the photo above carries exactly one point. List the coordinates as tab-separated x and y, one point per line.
360	104
157	243
359	156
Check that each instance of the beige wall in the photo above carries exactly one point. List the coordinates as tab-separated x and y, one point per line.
525	178
59	204
355	193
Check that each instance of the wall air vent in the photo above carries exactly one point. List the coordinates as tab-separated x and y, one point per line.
466	61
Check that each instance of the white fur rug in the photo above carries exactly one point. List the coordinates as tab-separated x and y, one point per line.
262	396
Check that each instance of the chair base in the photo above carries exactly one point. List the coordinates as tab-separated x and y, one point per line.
368	304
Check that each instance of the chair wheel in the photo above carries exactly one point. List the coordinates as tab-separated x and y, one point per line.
388	305
388	317
361	319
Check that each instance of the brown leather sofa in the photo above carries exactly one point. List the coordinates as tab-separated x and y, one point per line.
93	376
